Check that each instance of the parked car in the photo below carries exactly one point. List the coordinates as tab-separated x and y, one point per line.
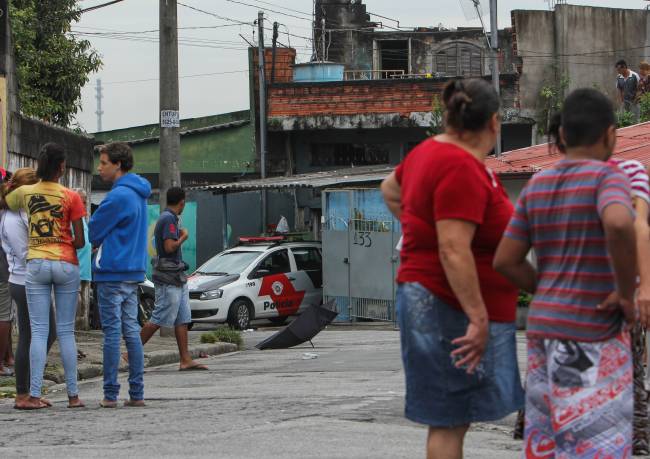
266	278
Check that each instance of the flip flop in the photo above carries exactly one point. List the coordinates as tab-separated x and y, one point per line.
197	367
108	403
30	408
79	405
41	405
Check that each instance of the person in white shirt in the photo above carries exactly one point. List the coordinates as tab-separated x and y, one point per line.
627	83
14	236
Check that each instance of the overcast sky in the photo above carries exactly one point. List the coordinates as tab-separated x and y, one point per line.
221	52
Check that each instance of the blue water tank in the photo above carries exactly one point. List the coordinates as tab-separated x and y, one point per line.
313	72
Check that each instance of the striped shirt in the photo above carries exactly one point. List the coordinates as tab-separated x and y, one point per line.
559	213
637	174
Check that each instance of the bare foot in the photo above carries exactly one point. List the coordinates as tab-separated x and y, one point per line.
192	365
46	402
134	403
108	403
125	357
75	402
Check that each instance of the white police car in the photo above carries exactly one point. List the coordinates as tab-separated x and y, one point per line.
261	278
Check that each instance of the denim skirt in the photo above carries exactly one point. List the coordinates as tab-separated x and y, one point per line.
437	393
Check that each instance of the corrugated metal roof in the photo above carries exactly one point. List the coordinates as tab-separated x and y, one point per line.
324	179
201	130
632	142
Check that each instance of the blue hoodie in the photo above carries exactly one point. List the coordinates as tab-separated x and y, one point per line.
119	228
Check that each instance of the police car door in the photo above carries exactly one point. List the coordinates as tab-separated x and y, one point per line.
276	295
308	274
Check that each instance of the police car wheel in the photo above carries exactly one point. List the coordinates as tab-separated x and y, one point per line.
239	315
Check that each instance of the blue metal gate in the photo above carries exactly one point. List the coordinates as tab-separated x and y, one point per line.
359	257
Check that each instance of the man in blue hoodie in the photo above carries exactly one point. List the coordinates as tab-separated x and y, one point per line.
118	228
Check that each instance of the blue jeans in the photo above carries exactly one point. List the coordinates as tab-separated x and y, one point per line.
118	310
42	275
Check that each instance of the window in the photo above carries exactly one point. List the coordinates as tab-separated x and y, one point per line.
459	59
229	263
276	263
344	154
394	56
307	259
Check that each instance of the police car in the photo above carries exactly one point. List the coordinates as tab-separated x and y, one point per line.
261	278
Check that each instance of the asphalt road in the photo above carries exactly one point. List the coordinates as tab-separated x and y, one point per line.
345	403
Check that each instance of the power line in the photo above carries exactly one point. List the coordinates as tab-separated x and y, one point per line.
136	32
140	35
223	18
272	11
96	7
185	42
181	77
283	7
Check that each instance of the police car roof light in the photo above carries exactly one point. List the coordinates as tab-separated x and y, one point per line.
259	239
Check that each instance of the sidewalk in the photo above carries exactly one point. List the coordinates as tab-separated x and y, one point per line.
158	351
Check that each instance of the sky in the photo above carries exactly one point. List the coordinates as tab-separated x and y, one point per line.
213	59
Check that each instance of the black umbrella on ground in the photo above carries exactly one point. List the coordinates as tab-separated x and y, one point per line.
303	328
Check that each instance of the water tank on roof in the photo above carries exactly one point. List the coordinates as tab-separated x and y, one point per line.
313	72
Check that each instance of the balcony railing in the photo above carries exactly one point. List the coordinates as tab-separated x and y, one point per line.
384	75
372	74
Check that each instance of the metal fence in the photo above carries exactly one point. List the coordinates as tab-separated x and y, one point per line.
353	75
359	256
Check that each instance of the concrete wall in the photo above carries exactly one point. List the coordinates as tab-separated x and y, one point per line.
244	215
27	136
350	47
576	41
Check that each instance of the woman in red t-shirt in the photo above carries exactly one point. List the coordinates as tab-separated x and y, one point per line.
456	313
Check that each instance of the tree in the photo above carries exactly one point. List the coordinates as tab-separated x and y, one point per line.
52	65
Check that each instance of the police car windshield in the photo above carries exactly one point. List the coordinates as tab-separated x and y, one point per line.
228	263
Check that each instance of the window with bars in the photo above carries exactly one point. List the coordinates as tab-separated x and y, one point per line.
459	59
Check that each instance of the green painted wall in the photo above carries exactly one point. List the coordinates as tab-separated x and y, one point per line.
224	150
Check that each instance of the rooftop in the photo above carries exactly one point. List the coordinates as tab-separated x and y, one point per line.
324	179
632	142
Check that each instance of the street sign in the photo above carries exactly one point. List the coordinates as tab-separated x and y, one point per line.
169	119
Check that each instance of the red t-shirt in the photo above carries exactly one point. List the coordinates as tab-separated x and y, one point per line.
441	181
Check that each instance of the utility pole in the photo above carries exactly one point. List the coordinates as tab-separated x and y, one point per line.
170	141
99	111
322	39
494	45
275	45
263	130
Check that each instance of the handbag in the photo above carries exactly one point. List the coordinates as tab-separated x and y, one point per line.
169	271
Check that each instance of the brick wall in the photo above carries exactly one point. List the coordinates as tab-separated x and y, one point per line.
353	97
284	60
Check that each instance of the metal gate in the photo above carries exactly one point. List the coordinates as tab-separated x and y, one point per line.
359	257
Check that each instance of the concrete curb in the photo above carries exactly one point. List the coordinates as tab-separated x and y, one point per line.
154	359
